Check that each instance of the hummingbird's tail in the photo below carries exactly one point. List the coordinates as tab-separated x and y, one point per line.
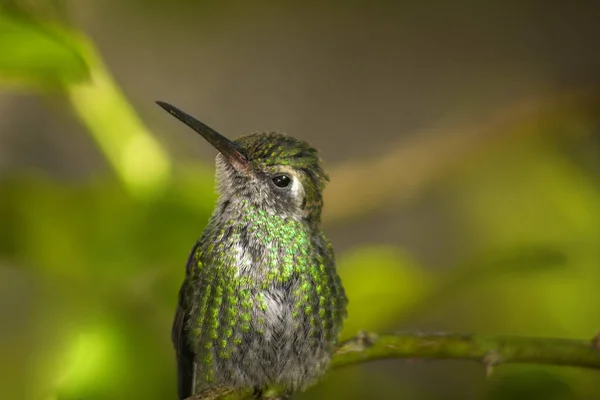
185	375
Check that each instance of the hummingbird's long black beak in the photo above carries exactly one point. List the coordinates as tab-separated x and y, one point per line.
218	141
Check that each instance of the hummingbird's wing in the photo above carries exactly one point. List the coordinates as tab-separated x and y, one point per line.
185	356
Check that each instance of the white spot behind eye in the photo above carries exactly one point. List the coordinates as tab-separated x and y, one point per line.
297	190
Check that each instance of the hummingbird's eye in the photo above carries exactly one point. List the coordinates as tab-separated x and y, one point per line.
282	181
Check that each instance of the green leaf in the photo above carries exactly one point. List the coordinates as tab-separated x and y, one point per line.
380	282
35	53
527	191
515	261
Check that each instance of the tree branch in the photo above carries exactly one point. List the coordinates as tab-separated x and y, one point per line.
412	164
489	350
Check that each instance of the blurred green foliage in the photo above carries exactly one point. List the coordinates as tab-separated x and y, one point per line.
42	55
102	261
38	53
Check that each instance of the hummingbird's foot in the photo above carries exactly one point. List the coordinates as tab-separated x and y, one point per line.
258	392
284	396
212	393
278	395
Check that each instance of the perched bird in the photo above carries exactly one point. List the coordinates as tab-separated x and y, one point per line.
261	304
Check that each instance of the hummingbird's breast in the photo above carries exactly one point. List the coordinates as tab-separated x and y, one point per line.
269	302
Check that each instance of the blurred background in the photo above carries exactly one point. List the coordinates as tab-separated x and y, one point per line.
462	140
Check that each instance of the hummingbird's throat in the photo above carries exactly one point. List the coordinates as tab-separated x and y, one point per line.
260	243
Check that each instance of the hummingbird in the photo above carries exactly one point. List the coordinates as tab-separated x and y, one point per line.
261	304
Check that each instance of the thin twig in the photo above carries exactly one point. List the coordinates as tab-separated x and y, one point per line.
409	166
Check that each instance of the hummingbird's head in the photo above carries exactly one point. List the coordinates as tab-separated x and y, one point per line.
272	171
